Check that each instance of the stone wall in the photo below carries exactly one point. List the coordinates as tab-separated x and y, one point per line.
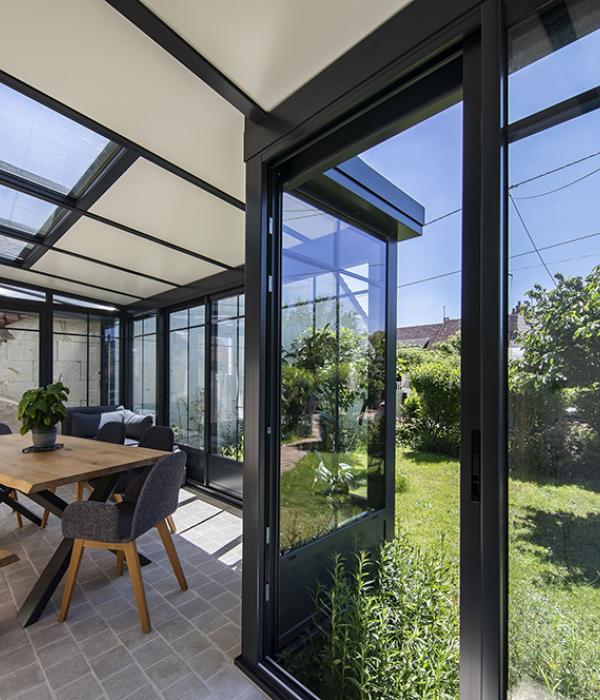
19	362
19	365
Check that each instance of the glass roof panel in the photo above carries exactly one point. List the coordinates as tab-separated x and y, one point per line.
26	214
10	249
45	147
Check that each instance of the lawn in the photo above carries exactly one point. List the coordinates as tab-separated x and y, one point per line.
554	541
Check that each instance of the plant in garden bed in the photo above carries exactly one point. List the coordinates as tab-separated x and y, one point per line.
386	628
40	410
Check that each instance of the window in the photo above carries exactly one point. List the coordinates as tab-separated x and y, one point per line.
227	373
86	357
40	145
186	375
554	356
19	360
144	365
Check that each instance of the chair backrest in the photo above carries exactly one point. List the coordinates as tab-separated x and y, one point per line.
159	494
158	437
5	429
112	432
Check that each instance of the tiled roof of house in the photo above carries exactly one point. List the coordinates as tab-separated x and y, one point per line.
429	334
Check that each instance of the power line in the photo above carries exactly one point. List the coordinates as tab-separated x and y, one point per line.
562	187
531	239
554	170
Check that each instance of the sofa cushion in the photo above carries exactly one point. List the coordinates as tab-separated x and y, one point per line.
66	427
135	424
112	417
85	424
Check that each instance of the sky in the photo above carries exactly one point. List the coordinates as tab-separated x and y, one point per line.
426	162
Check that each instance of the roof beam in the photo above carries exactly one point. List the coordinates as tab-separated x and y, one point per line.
160	32
32	240
76	116
21	185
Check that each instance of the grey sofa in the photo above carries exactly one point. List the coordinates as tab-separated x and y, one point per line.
84	421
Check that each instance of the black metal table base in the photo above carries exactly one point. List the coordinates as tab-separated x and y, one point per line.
49	579
5	497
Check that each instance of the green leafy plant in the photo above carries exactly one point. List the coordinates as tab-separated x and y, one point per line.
386	628
42	408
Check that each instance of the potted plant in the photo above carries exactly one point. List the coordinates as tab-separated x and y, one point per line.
40	410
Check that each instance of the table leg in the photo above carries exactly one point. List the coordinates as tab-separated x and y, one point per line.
48	582
5	497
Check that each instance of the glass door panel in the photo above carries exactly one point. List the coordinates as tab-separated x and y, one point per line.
384	623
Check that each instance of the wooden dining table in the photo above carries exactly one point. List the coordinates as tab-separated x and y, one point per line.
37	475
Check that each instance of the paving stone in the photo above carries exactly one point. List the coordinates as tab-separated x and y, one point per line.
188	688
191	644
152	652
99	643
67	671
53	653
15	659
125	682
111	661
25	679
84	688
174	628
226	637
209	662
166	672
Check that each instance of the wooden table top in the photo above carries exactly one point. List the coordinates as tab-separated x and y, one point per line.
80	459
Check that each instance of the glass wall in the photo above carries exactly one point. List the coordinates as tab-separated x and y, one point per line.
86	357
554	355
227	376
143	378
19	360
186	375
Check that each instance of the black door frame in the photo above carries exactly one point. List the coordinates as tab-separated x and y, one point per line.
421	32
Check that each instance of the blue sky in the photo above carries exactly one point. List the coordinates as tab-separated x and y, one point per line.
426	162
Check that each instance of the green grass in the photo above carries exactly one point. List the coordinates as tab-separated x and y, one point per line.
554	541
554	635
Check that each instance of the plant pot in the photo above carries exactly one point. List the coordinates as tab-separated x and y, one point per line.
44	437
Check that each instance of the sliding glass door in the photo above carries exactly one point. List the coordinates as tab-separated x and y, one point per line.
366	539
554	354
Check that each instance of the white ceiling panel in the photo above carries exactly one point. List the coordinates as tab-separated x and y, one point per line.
154	201
85	54
109	244
121	282
270	48
28	277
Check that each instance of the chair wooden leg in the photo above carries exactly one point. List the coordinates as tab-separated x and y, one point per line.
79	491
19	516
119	565
45	516
117	498
76	555
171	524
135	574
165	536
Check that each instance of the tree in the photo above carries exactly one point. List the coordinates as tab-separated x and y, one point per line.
561	345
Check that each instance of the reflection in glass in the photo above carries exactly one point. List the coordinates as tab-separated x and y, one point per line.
19	361
332	374
186	376
227	404
144	365
554	365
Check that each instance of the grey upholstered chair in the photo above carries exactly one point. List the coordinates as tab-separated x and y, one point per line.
158	437
113	432
5	430
150	497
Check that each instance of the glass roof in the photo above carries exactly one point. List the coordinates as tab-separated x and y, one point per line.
26	214
47	148
11	249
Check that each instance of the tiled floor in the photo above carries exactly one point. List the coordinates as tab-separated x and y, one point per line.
101	652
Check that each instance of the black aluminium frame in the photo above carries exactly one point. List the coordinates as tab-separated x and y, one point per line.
419	33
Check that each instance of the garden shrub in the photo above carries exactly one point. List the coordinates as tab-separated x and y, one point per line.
537	427
386	628
430	419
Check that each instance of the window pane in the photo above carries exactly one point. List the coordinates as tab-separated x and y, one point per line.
197	314
227	420
554	370
149	375
553	56
178	384
12	249
19	361
178	319
26	214
196	387
46	147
